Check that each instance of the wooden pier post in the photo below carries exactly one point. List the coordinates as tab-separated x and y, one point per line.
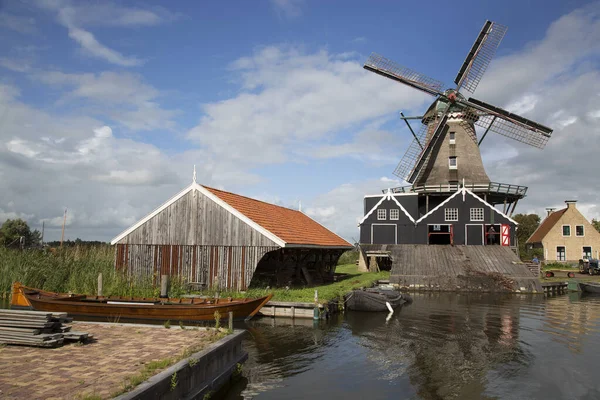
164	286
100	284
230	322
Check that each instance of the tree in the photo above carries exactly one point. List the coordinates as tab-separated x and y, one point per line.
528	223
596	224
13	229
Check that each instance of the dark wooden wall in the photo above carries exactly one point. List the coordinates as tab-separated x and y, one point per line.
194	219
404	226
223	266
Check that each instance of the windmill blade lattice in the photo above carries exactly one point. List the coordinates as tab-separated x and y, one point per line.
498	120
480	56
408	161
385	67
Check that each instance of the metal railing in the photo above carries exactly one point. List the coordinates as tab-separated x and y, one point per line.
491	187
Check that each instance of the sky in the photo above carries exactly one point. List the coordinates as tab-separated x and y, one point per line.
106	106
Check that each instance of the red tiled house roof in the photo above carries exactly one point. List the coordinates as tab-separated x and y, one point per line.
291	226
545	226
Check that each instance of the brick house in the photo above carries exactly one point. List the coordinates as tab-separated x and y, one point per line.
566	236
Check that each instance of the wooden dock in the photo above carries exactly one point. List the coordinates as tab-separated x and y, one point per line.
554	288
459	268
288	309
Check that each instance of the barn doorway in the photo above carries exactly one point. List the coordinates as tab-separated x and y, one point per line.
439	234
474	234
492	234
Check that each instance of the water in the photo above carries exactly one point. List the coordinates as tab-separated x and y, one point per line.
443	346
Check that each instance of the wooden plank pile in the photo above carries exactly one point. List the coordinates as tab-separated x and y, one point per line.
37	328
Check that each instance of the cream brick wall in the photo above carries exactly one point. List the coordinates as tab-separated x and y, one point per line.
573	244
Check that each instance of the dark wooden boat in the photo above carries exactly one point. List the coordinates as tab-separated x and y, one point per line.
172	309
589	287
374	299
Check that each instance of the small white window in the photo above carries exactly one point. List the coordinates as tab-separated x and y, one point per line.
452	137
476	214
394	214
451	214
566	230
561	253
579	230
452	163
381	214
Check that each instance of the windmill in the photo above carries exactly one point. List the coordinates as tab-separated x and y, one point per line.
445	150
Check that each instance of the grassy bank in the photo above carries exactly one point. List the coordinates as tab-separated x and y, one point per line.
330	291
72	269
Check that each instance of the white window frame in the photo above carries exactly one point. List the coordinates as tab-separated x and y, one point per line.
451	214
450	166
381	214
395	231
452	137
476	210
394	214
557	257
583	229
563	230
591	251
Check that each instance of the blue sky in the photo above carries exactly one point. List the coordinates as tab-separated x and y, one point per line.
106	106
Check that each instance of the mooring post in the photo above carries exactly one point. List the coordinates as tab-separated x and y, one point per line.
230	322
100	284
164	286
316	309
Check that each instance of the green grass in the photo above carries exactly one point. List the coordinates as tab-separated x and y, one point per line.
326	292
73	269
578	277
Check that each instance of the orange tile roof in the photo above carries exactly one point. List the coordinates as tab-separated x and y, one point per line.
545	226
292	226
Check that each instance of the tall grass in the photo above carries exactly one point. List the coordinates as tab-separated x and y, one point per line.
73	269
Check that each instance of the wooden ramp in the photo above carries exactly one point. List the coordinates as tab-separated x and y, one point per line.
462	268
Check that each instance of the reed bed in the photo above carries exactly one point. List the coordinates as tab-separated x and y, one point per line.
74	269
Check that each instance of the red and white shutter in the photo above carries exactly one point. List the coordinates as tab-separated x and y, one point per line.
505	235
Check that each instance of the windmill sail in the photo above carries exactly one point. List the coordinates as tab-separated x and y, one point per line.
426	153
480	56
498	120
413	152
382	66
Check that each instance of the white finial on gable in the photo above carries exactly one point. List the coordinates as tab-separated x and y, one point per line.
194	177
389	193
464	189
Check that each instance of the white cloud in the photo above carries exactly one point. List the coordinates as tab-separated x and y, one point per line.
17	23
76	17
122	96
288	8
291	100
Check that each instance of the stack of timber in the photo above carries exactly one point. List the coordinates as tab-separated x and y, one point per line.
37	328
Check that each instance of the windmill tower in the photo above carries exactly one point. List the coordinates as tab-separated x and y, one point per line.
444	153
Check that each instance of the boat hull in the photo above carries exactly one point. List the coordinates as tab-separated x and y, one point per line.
374	300
589	287
116	308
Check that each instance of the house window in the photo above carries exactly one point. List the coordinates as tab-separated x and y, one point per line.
381	214
579	230
452	164
561	253
566	230
452	137
587	252
395	214
476	214
451	214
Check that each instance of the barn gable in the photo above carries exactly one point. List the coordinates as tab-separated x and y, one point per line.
386	222
468	218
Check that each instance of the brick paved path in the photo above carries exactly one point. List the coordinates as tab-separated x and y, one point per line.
99	368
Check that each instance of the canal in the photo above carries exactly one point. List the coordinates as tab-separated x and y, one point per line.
443	346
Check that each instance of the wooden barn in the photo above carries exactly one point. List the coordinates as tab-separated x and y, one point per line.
214	238
463	218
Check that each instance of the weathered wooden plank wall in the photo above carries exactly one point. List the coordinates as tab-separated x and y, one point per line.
194	219
223	266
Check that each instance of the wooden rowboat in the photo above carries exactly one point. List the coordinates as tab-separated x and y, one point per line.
172	309
589	287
